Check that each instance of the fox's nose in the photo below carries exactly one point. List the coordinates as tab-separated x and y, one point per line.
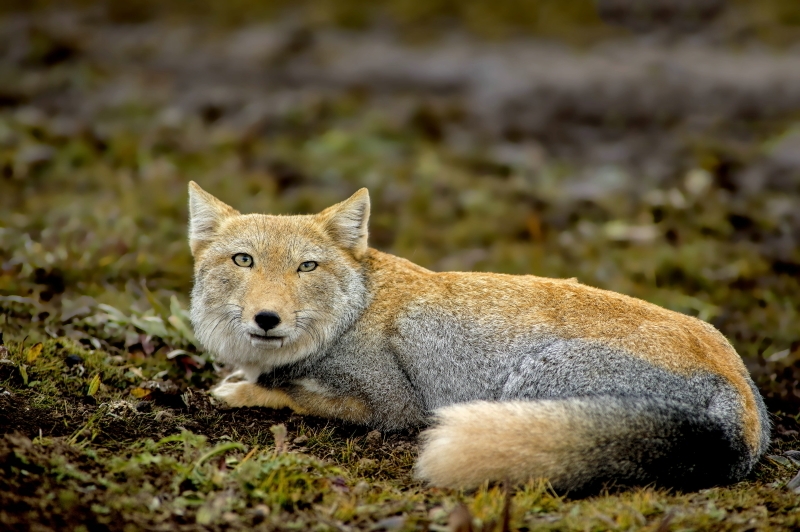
267	320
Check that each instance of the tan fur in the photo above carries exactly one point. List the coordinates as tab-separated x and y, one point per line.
324	405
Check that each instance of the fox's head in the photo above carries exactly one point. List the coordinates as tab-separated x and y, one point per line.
269	290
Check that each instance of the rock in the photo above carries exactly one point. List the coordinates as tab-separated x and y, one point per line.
361	488
374	438
144	407
165	387
165	393
73	360
260	512
120	409
793	455
367	463
794	484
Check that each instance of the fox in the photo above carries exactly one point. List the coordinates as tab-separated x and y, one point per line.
509	377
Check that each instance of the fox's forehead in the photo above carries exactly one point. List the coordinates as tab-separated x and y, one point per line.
273	235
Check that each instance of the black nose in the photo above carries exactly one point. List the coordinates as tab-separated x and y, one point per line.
267	320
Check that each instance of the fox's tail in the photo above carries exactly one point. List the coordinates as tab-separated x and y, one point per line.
583	444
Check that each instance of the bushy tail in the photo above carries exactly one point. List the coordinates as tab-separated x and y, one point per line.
582	445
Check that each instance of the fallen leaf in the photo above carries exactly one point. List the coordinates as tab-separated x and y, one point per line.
140	393
34	351
94	385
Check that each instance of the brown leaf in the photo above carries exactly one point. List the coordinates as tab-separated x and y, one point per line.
460	519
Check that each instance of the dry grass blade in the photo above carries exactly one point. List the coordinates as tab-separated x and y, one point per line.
505	518
664	524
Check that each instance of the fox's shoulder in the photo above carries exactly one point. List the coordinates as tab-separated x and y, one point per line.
385	265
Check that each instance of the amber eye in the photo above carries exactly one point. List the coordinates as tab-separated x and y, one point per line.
243	259
307	266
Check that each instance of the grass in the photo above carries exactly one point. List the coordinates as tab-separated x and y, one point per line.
107	460
104	415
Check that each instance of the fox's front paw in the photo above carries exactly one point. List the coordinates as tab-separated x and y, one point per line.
241	394
232	394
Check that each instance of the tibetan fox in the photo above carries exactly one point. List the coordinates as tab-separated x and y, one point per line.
515	376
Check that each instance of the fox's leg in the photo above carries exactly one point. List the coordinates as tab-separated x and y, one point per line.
242	394
305	396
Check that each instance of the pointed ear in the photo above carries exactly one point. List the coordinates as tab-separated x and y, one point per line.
347	222
206	213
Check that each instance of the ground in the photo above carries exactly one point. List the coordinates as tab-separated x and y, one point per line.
661	164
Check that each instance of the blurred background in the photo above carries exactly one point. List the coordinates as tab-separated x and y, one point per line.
648	147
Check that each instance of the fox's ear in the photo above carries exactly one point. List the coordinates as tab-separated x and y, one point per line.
347	222
205	215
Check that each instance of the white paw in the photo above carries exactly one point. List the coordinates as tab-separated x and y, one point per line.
229	393
236	376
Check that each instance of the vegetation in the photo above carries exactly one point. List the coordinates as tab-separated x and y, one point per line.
105	421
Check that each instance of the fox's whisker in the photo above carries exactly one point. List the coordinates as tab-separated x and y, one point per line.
222	316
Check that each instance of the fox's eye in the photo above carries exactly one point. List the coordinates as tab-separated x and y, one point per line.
307	266
243	259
